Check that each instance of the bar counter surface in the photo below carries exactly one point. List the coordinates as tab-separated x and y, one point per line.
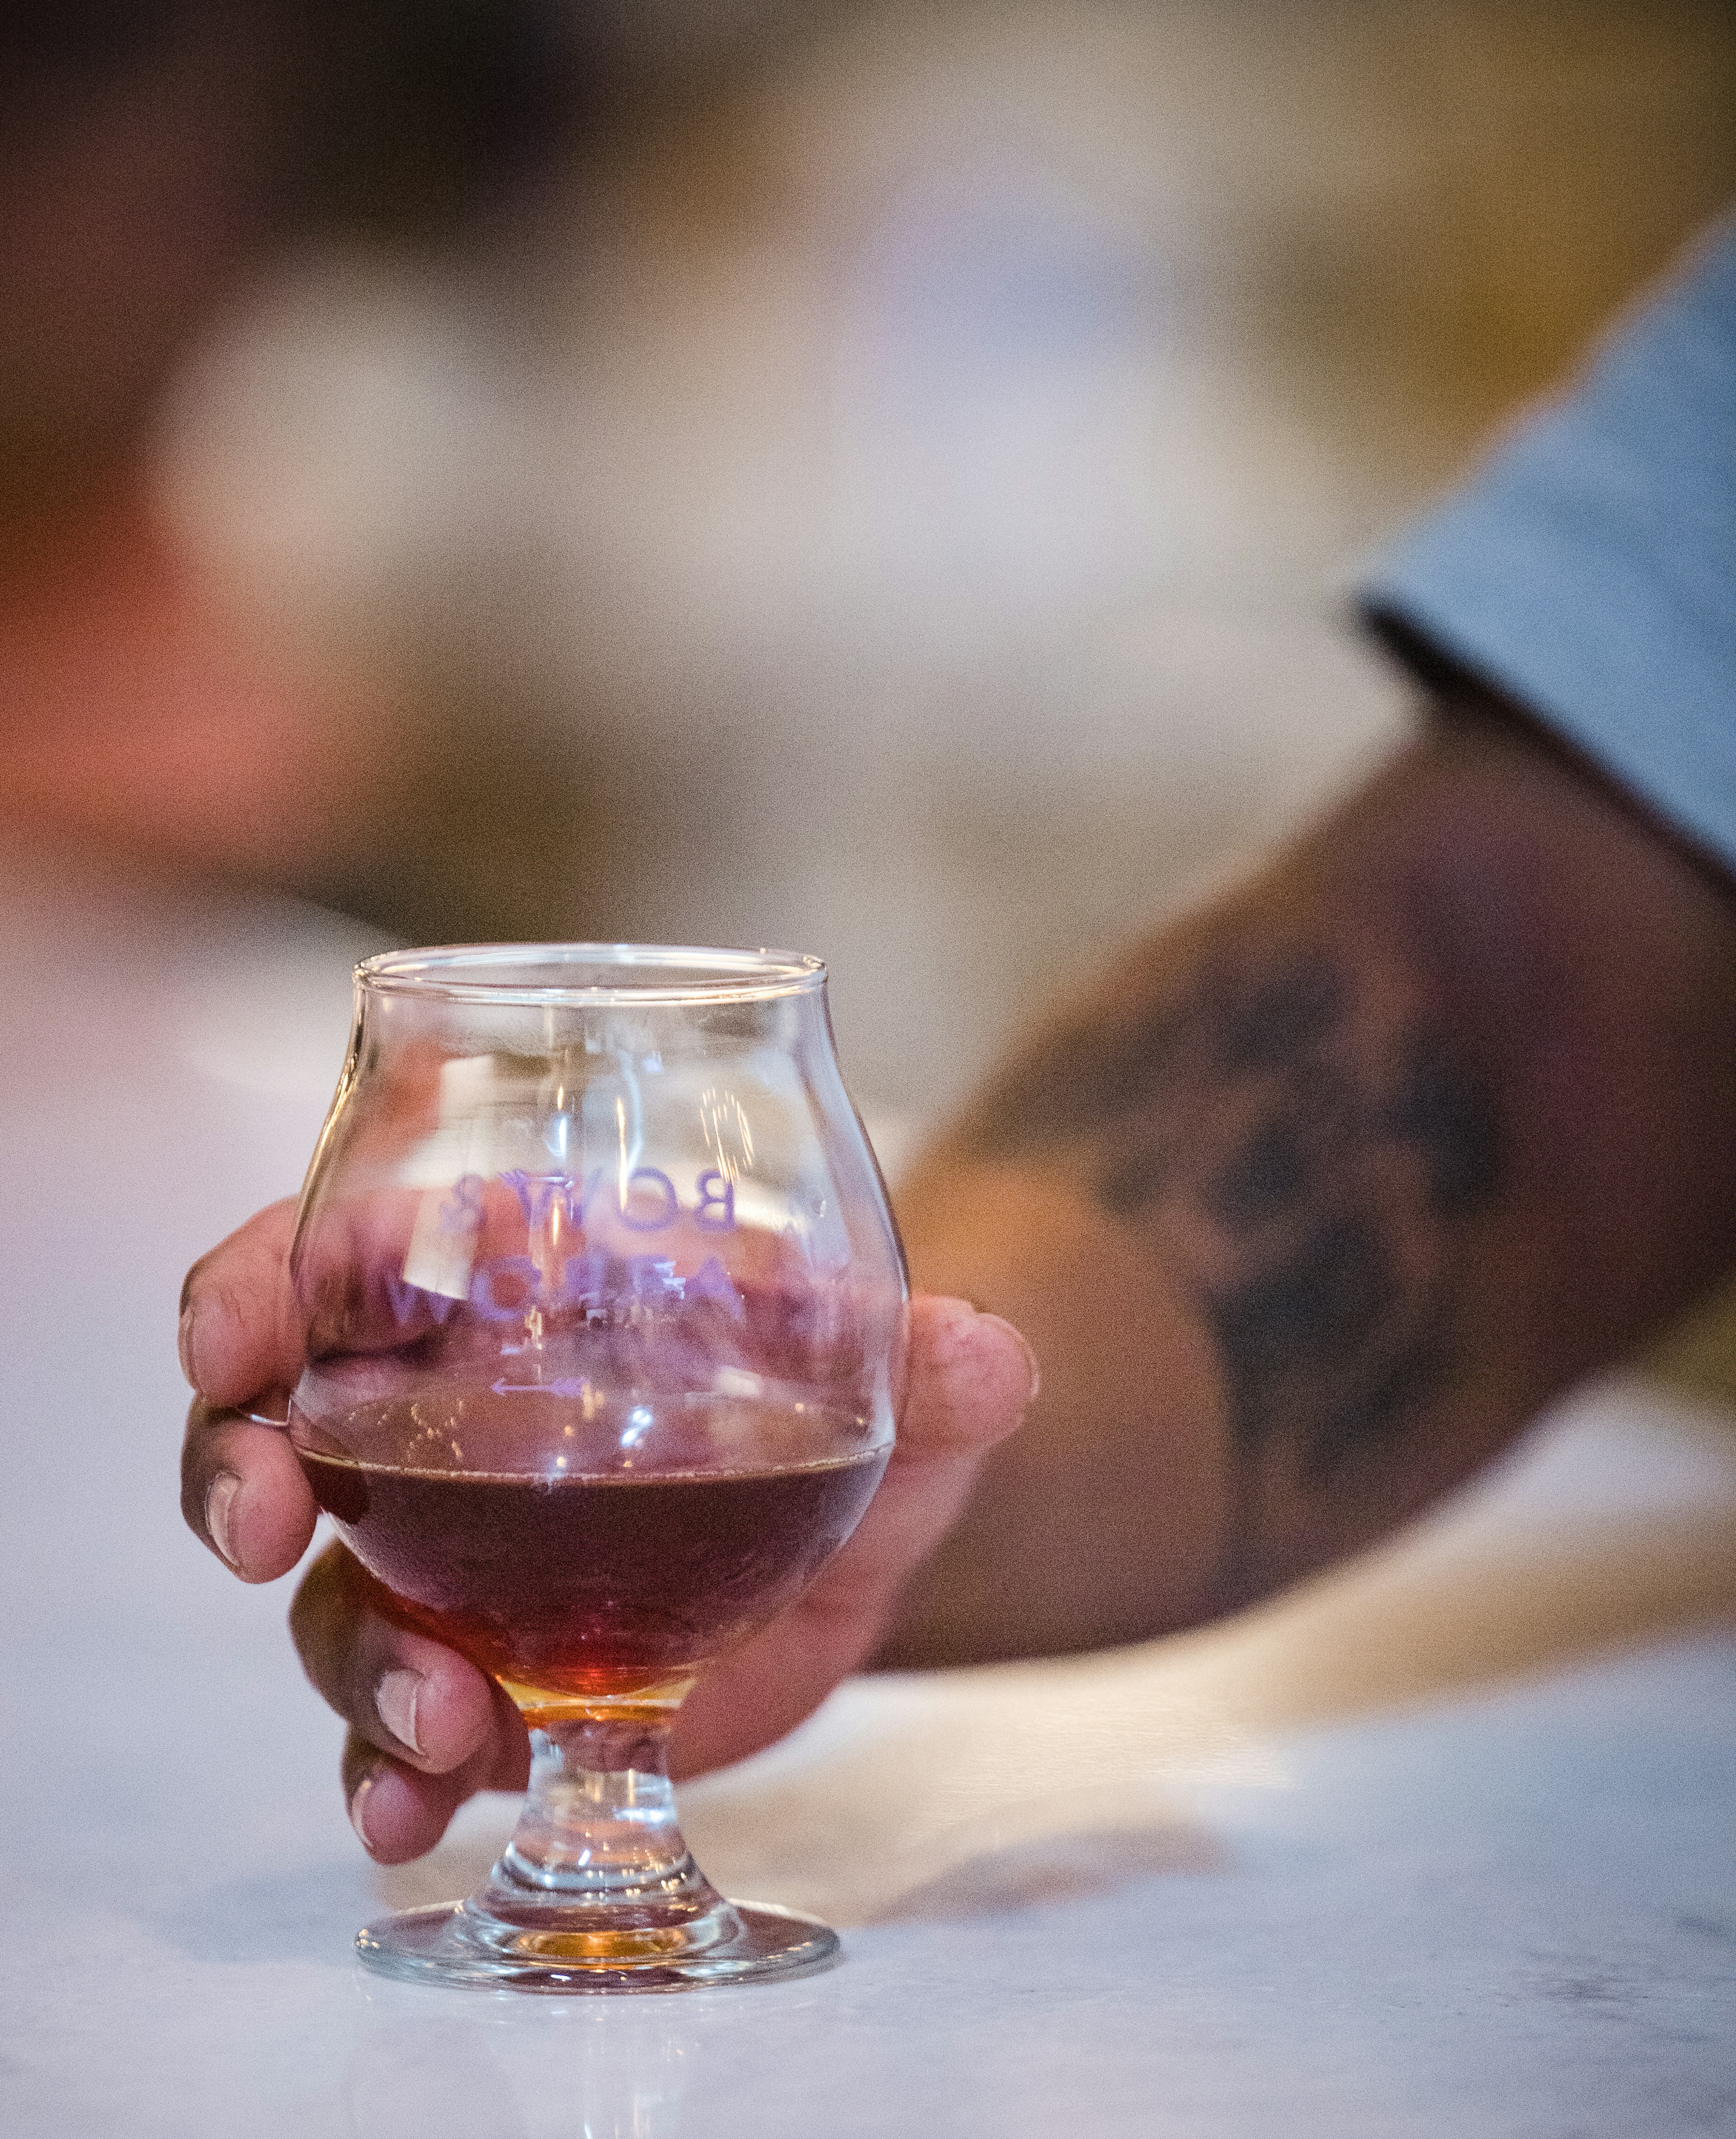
1441	1845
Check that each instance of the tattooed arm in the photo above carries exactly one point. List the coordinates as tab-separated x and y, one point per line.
1317	1198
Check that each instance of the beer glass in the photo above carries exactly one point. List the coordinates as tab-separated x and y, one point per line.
606	1316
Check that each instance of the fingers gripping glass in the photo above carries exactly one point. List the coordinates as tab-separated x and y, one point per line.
606	1314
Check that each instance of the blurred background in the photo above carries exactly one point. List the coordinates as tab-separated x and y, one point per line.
881	480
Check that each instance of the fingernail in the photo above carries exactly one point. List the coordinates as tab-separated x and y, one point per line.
395	1698
220	1504
183	1345
1012	1330
358	1811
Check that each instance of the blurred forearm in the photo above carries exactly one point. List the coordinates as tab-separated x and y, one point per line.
1320	1196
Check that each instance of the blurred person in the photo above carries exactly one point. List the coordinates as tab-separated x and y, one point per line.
1313	1201
150	155
139	150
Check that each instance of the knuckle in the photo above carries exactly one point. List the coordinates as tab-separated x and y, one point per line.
190	1284
322	1619
198	1460
361	1758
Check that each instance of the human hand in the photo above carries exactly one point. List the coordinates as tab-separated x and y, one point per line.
427	1728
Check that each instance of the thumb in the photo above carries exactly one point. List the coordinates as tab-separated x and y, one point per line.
971	1378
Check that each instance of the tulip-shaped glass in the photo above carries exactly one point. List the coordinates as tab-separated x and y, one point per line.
606	1316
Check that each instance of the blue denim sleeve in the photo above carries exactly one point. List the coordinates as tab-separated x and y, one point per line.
1589	569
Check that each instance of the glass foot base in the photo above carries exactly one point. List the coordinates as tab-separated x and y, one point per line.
450	1944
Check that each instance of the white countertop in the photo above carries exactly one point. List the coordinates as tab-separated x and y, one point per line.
1443	1844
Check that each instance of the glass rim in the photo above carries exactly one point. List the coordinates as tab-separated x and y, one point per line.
484	973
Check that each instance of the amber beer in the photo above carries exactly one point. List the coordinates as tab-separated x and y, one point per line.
592	1587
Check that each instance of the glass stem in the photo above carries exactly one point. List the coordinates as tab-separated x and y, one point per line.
599	1834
